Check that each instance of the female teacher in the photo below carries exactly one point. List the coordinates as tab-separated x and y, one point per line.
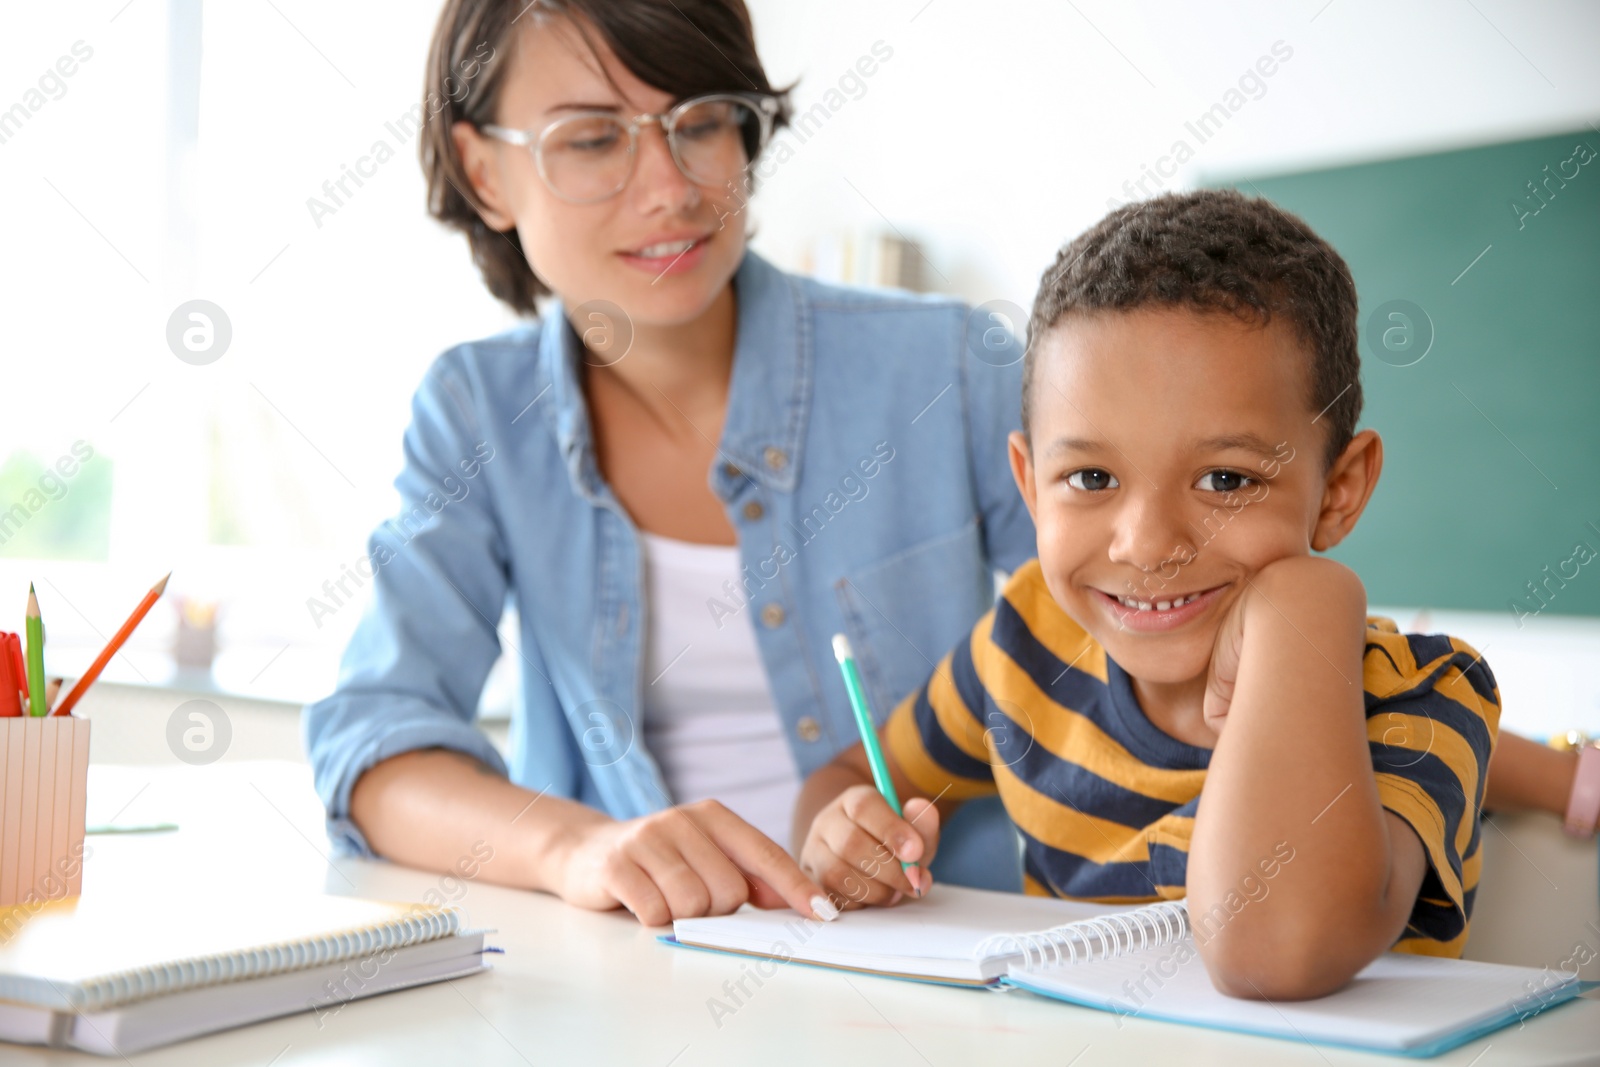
687	473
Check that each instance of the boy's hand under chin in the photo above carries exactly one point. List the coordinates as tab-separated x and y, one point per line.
1224	669
1287	677
1291	578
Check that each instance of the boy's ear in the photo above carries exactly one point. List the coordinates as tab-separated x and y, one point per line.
1022	470
478	160
1351	480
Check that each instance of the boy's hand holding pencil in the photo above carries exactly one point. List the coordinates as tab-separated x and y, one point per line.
859	849
861	845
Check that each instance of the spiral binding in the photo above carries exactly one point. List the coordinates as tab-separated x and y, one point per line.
122	987
1100	938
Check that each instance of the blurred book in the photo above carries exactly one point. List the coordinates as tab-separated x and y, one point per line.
880	260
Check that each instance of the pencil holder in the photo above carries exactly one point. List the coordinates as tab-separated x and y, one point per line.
44	785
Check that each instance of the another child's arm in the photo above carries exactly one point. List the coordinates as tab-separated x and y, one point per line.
1525	775
1293	765
851	841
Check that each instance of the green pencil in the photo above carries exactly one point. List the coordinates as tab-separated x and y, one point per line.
864	724
36	701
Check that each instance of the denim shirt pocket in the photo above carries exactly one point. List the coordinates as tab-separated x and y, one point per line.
902	613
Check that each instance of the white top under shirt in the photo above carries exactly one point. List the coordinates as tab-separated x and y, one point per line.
709	717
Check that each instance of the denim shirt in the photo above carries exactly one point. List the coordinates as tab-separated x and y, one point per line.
862	463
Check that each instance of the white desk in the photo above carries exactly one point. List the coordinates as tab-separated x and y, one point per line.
580	987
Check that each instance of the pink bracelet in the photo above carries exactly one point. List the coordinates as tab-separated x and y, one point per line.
1583	809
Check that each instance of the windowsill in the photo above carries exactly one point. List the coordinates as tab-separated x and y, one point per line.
286	675
267	650
289	676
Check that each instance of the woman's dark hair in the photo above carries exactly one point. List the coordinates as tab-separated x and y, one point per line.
1216	250
682	47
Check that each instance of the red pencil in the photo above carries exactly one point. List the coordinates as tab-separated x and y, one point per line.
112	645
10	702
19	667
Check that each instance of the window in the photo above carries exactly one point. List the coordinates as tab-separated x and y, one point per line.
173	164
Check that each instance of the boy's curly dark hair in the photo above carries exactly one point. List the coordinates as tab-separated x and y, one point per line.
1215	250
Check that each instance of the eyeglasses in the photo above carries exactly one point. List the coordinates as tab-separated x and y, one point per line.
588	156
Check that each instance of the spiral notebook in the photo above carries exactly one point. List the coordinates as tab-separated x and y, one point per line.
116	975
1136	961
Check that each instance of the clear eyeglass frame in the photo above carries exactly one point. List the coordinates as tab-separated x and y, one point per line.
764	107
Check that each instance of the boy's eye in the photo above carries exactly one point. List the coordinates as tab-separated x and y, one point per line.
1223	481
1092	480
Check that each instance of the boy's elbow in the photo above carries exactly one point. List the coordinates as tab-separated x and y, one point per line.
1279	967
1294	946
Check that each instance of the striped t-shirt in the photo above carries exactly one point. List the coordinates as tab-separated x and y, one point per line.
1031	707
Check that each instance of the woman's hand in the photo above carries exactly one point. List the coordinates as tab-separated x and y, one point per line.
685	862
856	844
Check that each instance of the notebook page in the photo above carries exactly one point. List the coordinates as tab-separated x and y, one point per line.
934	937
1398	1001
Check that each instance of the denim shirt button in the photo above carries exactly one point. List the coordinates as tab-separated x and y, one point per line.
775	457
754	510
772	614
731	470
808	728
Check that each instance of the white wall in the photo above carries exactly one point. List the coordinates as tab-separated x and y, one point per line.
997	130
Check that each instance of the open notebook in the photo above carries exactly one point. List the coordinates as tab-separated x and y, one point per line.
1137	961
117	975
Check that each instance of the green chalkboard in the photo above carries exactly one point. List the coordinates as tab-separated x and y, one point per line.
1491	478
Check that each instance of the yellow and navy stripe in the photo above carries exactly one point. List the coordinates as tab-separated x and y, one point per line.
1433	713
1031	707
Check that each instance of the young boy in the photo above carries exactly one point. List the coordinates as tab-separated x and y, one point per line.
1176	698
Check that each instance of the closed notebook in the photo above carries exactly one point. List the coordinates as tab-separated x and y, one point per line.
116	975
1137	961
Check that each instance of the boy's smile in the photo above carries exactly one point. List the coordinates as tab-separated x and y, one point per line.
1173	455
1158	612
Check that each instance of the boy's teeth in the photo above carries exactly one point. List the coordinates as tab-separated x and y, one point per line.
666	248
1159	605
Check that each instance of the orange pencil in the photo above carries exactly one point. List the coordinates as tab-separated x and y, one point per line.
112	645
